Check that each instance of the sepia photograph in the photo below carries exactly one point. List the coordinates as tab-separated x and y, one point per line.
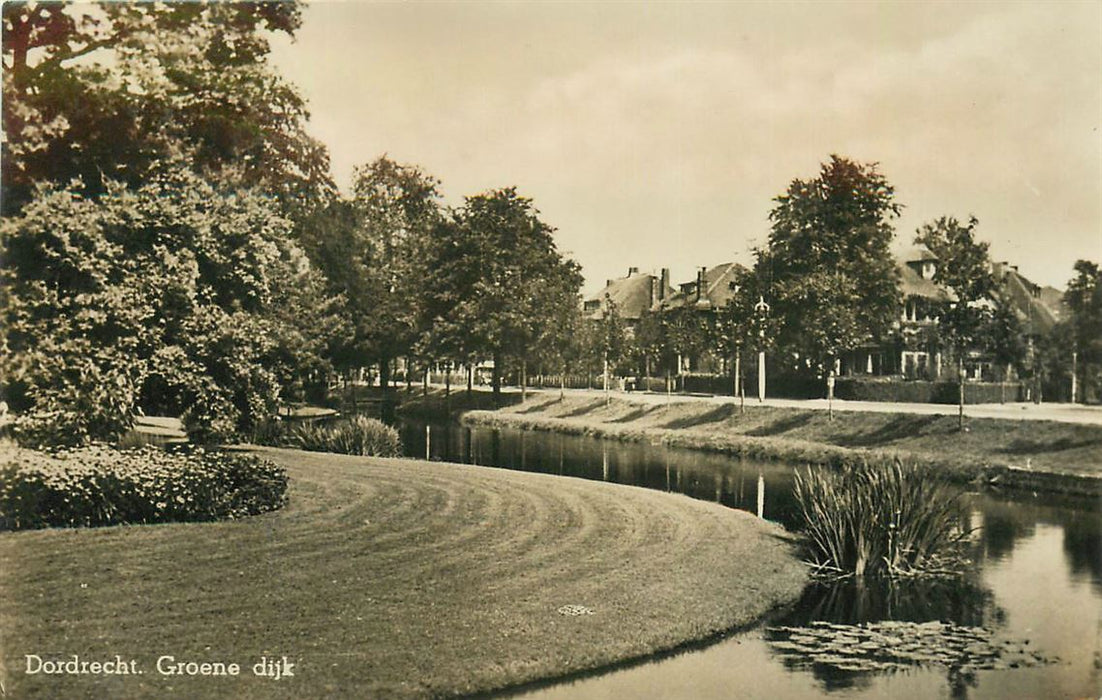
551	349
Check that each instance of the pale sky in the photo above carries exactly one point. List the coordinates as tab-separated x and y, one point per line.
656	134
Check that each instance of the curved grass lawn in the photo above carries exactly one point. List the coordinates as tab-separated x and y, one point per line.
389	578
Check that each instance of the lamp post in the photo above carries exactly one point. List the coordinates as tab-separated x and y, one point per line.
961	375
1074	375
761	309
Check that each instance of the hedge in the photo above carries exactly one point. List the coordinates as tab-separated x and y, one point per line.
101	485
913	391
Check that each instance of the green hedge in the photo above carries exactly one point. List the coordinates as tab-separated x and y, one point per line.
100	485
911	391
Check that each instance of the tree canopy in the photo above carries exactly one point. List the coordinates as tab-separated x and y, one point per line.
371	248
498	282
102	92
964	267
178	296
1084	300
827	271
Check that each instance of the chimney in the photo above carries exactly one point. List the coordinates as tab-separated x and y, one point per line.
633	271
653	291
664	284
608	283
700	283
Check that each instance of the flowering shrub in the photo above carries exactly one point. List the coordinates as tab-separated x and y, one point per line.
101	485
357	435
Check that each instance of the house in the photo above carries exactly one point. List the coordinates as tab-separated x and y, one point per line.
631	295
1038	308
917	350
710	291
705	295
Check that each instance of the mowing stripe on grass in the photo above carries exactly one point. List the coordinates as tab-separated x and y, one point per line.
386	578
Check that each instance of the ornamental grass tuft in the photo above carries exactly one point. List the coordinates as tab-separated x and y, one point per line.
881	519
358	435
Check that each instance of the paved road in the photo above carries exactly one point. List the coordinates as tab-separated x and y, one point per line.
1062	412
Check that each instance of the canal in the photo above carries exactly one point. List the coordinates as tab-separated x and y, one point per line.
1035	587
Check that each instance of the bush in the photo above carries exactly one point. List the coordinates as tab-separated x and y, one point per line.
357	435
99	485
879	518
916	391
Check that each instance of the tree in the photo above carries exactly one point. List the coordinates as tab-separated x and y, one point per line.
1004	337
1084	299
172	297
396	209
964	267
103	92
650	342
497	281
688	332
826	271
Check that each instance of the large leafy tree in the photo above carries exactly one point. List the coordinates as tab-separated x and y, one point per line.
498	283
827	270
964	267
101	92
1084	300
395	211
177	296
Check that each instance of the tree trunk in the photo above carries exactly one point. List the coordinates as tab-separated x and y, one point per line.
496	381
524	380
960	379
470	378
409	375
608	399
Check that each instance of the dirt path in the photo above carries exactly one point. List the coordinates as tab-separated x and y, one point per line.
388	578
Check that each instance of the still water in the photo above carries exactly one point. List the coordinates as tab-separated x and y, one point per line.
1036	580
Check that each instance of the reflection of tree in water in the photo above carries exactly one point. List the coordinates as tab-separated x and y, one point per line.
1005	522
1083	545
1002	525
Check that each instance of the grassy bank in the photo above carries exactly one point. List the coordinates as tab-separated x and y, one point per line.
389	578
1031	454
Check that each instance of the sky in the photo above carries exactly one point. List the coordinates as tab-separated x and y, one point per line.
656	135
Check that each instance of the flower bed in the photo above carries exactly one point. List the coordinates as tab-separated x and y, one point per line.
100	485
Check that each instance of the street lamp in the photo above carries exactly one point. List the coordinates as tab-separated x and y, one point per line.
761	309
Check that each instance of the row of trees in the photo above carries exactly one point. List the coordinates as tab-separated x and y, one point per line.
172	240
831	285
484	281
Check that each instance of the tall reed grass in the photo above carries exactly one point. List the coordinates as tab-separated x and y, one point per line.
357	435
880	518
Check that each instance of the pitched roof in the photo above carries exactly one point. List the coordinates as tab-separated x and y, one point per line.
716	290
916	253
914	285
1038	308
631	295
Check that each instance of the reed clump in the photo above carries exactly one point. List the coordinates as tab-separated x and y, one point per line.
882	518
358	435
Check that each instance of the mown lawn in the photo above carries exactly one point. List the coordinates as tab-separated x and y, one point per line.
389	578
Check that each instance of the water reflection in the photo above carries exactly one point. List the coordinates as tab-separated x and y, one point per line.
963	601
1037	575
